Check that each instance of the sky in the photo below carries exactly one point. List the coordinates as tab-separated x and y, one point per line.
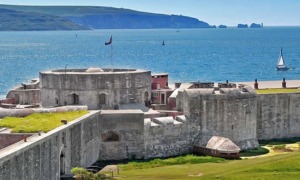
214	12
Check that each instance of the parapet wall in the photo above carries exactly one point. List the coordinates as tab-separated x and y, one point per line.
278	116
7	139
165	137
45	157
121	134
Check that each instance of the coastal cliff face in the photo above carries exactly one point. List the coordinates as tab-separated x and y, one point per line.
89	17
29	21
137	21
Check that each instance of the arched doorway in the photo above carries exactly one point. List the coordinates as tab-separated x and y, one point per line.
146	99
75	98
102	99
62	163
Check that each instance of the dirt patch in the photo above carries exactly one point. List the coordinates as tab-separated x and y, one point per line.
199	174
283	150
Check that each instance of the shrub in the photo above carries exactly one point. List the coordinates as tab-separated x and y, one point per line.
254	152
83	174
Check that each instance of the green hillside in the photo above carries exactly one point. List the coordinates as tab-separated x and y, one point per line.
29	21
71	10
109	17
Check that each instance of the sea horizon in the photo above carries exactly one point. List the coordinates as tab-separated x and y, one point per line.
211	54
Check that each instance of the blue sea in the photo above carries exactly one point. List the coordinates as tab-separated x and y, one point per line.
188	55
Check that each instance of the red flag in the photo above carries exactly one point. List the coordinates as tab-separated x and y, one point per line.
109	42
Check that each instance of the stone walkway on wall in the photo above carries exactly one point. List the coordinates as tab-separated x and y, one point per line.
273	84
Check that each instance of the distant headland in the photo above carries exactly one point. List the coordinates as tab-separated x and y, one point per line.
253	25
22	18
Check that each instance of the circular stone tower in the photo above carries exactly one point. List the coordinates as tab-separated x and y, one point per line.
95	87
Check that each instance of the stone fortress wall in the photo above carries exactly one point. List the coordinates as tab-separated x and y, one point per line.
100	135
126	134
278	116
226	112
45	157
237	113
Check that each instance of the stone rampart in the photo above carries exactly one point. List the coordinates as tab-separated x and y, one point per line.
45	157
226	112
278	116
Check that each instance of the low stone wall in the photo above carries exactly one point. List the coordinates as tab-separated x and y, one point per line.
122	134
45	157
8	139
278	116
165	140
25	96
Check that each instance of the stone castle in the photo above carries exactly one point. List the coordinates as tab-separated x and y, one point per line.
136	115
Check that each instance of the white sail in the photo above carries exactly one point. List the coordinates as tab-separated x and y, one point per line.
280	60
280	65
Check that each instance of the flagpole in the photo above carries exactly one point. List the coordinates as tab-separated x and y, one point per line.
111	53
111	56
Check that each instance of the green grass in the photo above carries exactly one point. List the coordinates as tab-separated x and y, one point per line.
39	122
254	152
279	141
285	166
188	159
277	90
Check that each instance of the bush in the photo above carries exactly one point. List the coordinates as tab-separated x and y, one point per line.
254	152
83	174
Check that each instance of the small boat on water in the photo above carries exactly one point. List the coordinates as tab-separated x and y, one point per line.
163	43
281	65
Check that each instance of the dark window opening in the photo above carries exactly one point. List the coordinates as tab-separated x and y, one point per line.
146	99
162	98
110	136
102	99
75	99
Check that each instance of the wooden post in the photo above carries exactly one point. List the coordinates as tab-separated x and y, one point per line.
255	84
283	83
25	138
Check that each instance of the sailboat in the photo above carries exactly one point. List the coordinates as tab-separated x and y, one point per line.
280	65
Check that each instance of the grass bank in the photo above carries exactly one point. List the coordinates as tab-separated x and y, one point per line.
285	166
39	122
187	159
276	90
